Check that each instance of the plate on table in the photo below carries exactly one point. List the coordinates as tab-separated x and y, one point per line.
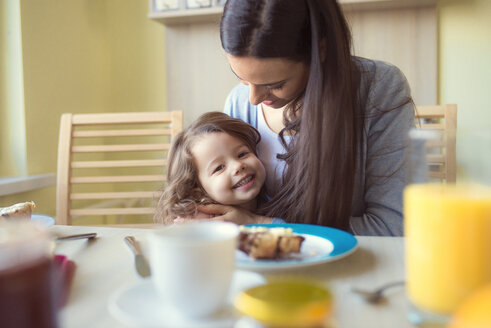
44	220
139	305
322	244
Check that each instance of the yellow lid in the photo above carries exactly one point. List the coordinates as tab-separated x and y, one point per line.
286	303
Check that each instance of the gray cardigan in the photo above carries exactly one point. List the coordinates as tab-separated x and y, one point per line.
379	179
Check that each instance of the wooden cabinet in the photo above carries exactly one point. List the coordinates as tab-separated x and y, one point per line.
165	11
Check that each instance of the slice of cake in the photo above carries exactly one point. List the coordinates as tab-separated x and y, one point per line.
268	243
20	210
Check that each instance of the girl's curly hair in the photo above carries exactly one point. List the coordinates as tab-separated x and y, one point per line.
183	191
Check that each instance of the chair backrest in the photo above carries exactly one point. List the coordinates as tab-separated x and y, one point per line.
112	165
441	153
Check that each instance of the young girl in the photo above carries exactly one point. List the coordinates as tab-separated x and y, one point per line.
213	161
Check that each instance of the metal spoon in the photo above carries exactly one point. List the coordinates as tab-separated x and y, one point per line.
376	295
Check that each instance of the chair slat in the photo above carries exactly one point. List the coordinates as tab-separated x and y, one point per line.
447	116
177	122
128	163
112	211
451	148
115	195
122	118
121	133
430	111
435	143
437	175
435	159
432	126
63	170
116	148
122	178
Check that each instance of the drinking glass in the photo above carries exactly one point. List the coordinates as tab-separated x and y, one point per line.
447	230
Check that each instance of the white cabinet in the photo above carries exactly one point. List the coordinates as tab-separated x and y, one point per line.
173	12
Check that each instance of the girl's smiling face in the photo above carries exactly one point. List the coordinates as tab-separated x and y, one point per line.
272	81
228	170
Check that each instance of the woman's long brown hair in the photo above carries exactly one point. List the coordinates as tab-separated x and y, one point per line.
318	182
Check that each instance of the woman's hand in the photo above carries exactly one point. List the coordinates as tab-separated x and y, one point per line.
217	212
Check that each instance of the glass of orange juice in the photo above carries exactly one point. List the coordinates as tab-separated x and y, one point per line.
448	237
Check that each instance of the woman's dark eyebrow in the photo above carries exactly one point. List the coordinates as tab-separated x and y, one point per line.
259	85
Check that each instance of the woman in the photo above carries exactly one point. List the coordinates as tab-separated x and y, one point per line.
333	126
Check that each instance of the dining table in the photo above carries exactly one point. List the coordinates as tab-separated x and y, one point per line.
105	264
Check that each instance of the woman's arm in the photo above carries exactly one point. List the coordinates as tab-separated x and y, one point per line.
386	130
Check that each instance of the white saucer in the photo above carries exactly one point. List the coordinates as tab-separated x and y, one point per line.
139	305
44	220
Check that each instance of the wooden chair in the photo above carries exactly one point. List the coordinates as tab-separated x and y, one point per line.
441	153
112	165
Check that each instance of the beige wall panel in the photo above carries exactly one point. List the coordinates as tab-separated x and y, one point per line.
406	38
199	77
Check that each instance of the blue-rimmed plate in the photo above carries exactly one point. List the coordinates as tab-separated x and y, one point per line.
322	244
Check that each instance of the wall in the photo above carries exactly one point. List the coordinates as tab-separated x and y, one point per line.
405	37
198	74
465	69
82	56
65	70
137	58
12	127
465	65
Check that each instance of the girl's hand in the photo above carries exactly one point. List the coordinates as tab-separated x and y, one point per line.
226	213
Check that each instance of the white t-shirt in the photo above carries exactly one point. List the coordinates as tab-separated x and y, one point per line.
267	149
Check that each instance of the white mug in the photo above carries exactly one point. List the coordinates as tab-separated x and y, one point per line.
192	265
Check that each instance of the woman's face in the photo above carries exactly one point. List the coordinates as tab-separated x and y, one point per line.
228	170
273	82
